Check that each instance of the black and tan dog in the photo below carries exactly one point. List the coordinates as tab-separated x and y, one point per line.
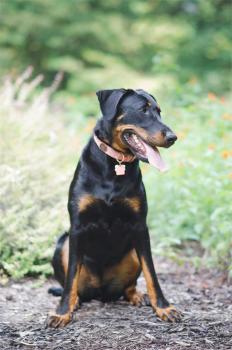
108	244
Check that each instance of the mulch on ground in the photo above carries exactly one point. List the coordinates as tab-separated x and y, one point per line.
205	299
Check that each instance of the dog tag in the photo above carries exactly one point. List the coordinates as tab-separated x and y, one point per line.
120	169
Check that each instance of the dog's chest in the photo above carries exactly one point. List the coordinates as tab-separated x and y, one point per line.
124	209
109	229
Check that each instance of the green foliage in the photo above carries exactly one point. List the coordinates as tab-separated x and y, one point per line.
39	150
192	201
89	39
34	177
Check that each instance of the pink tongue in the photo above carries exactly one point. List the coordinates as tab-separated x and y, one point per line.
154	158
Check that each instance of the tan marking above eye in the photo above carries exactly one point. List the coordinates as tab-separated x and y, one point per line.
85	201
139	131
120	117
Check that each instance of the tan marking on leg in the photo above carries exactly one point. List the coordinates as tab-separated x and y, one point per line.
133	296
65	256
134	203
73	298
149	282
85	201
55	320
87	280
60	320
168	313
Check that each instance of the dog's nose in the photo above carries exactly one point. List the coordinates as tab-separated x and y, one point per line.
170	137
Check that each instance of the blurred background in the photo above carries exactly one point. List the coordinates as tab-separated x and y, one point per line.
54	55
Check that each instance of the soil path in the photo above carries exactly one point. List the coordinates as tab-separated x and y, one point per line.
204	298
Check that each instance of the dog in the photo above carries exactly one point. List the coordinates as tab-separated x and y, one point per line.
108	243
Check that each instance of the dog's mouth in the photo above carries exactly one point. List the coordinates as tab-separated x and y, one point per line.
143	151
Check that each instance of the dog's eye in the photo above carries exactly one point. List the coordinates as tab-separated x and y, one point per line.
144	109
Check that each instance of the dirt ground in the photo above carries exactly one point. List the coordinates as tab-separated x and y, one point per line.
205	299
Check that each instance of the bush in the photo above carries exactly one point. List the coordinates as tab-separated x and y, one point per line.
35	171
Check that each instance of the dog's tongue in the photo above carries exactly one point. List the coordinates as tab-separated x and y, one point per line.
154	158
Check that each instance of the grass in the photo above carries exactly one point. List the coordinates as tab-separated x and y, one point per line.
40	145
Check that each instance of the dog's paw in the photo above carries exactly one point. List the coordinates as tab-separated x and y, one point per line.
136	299
139	299
58	321
170	313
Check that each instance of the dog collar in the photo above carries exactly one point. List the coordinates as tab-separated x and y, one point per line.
119	156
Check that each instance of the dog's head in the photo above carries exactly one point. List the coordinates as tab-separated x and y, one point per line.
132	123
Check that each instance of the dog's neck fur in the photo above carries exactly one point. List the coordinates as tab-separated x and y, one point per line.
102	171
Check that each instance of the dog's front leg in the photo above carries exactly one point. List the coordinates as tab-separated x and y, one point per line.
69	298
158	302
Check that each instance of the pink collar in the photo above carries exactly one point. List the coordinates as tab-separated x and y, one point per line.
119	156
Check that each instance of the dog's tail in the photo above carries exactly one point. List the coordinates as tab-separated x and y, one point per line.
56	291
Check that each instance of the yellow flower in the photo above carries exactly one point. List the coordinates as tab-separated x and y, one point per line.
227	116
226	154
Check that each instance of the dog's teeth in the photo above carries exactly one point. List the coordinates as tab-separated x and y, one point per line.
135	137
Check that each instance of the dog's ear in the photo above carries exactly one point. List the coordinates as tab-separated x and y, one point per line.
109	100
145	94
